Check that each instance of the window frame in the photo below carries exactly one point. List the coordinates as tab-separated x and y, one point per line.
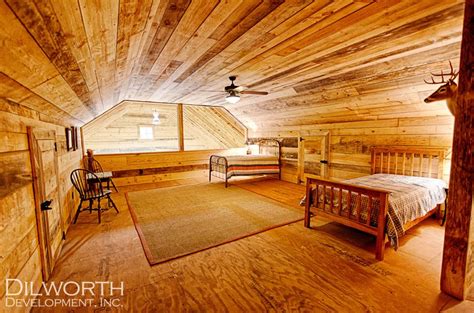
150	127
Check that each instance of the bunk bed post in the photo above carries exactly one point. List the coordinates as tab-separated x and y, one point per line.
307	206
381	222
225	172
210	168
279	159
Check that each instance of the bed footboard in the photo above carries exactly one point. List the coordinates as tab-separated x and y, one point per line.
358	207
218	165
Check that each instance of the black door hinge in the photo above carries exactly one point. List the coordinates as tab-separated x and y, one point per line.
55	147
324	161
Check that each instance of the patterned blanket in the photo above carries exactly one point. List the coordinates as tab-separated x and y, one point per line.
410	198
252	165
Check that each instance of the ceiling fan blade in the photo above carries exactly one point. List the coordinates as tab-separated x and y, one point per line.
251	92
240	88
215	91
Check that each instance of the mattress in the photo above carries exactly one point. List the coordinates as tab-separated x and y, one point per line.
240	165
410	198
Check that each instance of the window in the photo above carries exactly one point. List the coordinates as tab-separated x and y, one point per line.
146	132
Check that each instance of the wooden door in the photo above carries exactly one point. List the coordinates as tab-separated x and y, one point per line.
44	164
313	156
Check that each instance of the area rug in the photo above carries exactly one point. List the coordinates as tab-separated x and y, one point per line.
177	221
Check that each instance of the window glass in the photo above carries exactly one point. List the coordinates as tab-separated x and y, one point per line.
146	132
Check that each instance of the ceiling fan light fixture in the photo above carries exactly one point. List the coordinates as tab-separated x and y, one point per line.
233	97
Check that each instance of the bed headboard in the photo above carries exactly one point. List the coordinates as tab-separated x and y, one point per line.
408	161
269	146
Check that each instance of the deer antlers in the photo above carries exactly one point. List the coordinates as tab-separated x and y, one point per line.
452	75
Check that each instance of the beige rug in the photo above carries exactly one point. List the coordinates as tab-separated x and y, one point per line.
177	221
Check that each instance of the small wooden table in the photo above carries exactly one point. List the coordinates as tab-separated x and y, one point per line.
99	178
103	177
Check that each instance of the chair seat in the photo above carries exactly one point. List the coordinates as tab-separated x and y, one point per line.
99	194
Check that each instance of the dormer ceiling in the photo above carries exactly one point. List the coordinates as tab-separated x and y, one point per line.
321	61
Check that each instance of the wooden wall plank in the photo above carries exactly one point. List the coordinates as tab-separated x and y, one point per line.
141	168
19	256
203	128
350	143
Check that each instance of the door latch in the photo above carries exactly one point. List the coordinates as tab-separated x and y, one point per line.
45	206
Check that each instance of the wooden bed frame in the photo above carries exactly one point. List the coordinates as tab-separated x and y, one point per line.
218	164
390	160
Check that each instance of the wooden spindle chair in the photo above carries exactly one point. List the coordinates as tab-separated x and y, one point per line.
105	177
90	188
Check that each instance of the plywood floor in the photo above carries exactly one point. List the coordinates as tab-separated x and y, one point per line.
329	268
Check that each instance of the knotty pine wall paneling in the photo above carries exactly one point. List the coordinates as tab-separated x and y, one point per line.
19	253
205	128
350	142
143	168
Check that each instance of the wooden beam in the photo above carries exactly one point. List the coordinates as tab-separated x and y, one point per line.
180	127
83	144
457	273
300	164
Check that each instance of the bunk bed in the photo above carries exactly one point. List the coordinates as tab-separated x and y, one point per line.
266	162
404	188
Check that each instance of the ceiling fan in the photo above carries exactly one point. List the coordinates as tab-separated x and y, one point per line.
234	91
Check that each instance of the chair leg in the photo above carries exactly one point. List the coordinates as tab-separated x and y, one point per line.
116	190
108	198
99	210
113	203
78	211
91	202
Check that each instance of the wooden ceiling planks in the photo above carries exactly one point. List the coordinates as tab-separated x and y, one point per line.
100	20
163	64
322	61
22	60
43	25
14	92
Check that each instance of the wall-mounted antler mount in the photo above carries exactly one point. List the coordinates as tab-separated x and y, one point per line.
447	91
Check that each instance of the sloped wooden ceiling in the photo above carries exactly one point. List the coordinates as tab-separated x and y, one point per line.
322	61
